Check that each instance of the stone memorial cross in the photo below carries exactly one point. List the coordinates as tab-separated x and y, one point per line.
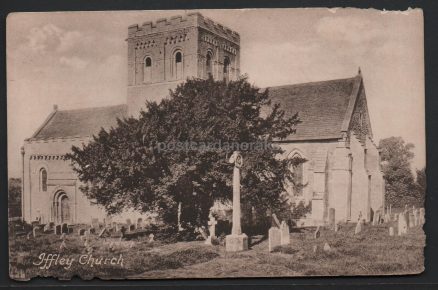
236	241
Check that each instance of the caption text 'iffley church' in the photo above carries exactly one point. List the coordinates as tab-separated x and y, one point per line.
343	168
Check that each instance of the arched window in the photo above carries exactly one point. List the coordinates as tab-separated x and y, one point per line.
43	179
227	68
177	67
208	65
147	70
297	171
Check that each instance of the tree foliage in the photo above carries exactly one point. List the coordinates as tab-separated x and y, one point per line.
128	166
396	157
420	184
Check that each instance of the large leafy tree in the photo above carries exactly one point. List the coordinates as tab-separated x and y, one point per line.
162	159
420	184
396	157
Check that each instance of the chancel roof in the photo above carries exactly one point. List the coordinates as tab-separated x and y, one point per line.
324	108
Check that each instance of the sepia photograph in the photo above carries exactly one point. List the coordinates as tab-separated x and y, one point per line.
178	144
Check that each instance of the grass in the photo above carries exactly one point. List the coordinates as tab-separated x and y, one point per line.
372	252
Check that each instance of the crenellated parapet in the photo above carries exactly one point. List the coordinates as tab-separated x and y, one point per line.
195	19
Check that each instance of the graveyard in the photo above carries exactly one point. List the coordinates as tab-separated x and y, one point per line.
139	254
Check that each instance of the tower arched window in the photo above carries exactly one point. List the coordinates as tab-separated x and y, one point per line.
147	70
177	67
227	68
43	179
208	65
297	171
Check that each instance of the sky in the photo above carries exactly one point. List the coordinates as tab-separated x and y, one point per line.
79	59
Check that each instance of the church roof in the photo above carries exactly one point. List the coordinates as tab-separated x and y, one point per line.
79	122
324	108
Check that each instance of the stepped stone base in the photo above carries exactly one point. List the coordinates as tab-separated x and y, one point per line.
236	243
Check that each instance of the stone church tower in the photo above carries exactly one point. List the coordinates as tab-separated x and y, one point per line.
165	53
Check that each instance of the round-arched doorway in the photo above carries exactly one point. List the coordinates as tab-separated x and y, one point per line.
61	207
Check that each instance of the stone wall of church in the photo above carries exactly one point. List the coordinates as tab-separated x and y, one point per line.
351	183
49	155
316	175
377	198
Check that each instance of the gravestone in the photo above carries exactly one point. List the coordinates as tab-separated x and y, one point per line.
140	224
391	231
358	228
95	223
421	217
402	224
131	228
35	231
47	228
274	238
337	227
64	228
315	248
58	229
128	222
63	246
203	233
377	217
104	233
211	229
411	219
332	218
108	221
285	235
416	215
151	238
81	232
317	232
327	247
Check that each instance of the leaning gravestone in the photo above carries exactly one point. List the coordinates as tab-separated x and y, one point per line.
337	227
274	238
275	221
104	233
47	228
391	231
317	232
358	228
285	235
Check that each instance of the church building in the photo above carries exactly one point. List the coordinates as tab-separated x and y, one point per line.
341	177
